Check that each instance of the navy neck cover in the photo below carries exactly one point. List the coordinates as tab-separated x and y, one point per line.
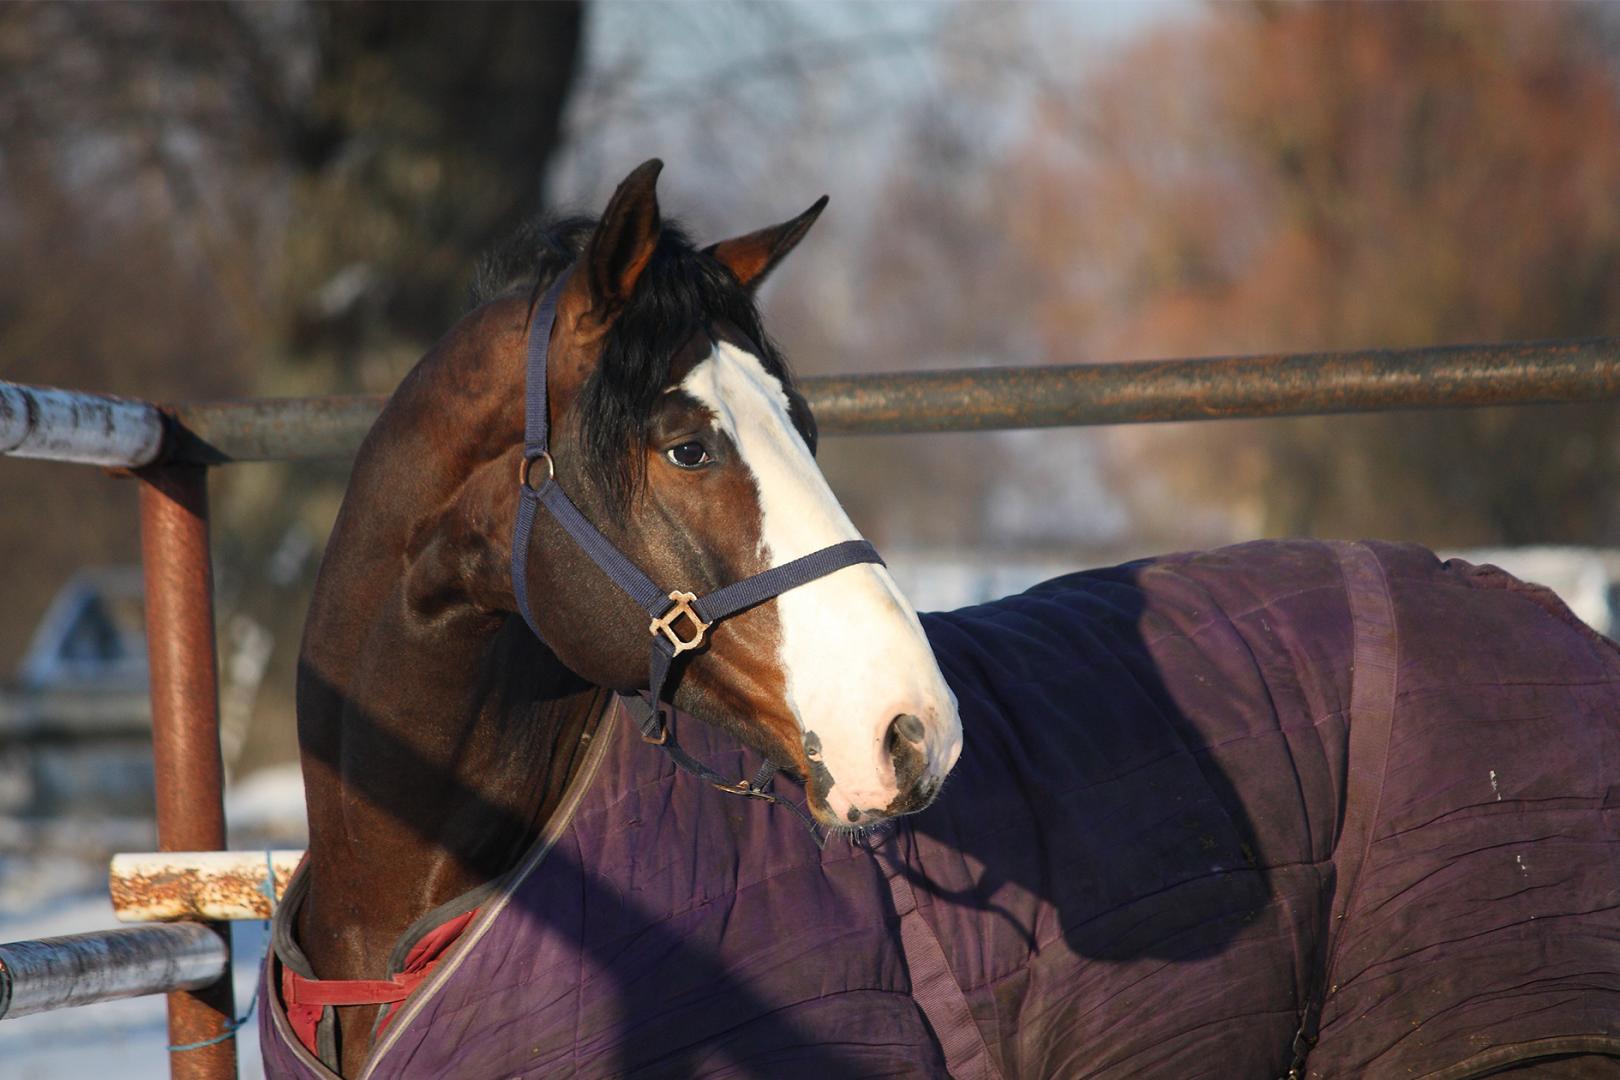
680	620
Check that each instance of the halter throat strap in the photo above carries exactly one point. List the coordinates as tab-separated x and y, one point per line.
679	619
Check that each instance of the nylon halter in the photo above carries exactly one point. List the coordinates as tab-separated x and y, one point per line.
680	619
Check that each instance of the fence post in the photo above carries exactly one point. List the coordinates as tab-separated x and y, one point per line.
185	727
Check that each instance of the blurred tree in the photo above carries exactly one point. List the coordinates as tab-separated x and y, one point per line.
928	271
1290	177
112	277
423	142
222	198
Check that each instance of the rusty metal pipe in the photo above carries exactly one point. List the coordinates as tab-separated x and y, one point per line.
978	399
982	399
273	429
82	969
1225	388
185	726
69	425
210	885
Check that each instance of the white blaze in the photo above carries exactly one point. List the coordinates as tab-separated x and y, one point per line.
853	652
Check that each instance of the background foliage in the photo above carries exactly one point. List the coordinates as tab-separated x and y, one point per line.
225	199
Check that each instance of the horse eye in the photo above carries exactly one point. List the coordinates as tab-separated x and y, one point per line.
688	455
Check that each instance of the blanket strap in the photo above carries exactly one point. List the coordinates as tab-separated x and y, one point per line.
937	992
307	1001
1372	715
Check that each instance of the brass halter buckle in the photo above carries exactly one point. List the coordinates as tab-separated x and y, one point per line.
665	623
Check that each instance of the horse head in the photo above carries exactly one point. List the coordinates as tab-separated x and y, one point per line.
676	430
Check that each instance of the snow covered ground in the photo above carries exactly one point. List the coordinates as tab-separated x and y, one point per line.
61	891
122	1039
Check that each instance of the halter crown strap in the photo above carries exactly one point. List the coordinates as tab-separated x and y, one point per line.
680	620
536	418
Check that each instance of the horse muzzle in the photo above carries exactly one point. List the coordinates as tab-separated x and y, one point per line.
912	753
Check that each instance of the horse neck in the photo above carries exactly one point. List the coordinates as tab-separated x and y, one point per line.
437	734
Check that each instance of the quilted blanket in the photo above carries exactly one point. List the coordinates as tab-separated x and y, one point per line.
1338	808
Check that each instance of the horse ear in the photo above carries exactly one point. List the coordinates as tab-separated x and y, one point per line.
624	240
751	257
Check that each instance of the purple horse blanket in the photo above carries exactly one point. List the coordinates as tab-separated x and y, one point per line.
1334	808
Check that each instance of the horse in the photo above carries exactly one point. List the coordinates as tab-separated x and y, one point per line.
1293	808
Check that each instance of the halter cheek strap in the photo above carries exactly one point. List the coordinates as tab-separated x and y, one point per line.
680	620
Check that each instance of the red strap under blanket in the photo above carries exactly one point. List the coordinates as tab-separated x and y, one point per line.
305	998
297	990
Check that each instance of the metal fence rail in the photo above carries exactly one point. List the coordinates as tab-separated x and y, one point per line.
1225	388
969	399
170	447
67	425
80	969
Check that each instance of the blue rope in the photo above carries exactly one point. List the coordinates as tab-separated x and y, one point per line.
230	1029
269	890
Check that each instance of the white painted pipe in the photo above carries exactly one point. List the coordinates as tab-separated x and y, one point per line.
66	425
214	886
82	969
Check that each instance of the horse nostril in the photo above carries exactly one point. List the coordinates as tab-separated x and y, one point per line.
903	744
908	726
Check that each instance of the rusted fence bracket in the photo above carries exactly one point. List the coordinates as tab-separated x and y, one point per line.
210	885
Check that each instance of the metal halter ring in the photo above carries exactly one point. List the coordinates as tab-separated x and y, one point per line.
528	462
745	788
664	624
663	733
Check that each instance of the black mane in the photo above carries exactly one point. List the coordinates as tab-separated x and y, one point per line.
680	289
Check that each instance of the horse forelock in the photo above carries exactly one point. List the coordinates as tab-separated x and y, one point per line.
681	290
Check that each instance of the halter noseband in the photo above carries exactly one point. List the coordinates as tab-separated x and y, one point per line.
680	619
